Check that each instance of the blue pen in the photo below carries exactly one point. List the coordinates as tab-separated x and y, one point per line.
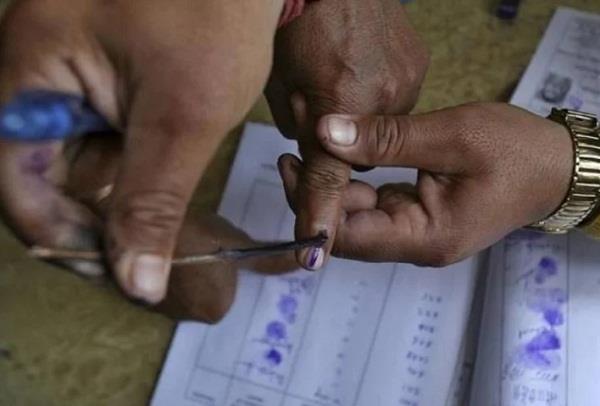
42	115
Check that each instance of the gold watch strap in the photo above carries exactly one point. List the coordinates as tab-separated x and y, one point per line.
584	193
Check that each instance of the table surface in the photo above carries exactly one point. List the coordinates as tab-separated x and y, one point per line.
64	341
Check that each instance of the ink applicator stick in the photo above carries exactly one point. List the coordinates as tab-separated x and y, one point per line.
224	255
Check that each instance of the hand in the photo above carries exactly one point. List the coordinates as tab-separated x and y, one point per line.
202	292
484	171
342	56
172	78
206	292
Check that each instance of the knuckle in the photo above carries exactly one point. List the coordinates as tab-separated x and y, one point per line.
389	91
151	216
326	179
387	138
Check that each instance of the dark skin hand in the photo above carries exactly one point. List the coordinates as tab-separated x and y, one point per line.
485	170
342	56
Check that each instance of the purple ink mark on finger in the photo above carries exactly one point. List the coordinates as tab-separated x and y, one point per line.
315	258
276	330
554	317
273	357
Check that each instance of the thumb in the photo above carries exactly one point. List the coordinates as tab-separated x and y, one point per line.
167	148
422	141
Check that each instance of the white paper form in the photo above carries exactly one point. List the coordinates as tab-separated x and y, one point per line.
463	374
565	70
351	334
540	336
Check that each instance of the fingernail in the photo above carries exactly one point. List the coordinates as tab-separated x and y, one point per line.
149	277
314	258
341	131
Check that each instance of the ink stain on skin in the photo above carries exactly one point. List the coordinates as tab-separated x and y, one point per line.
314	257
276	330
273	357
37	162
287	307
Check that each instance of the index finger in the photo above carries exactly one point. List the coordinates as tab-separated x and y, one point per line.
321	187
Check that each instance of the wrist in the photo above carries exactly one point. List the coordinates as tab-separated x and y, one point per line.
583	194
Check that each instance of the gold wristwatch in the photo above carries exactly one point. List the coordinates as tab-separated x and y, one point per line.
584	193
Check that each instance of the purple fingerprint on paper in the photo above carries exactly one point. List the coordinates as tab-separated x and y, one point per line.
537	360
543	341
287	307
548	264
546	268
542	299
541	351
273	357
276	330
554	317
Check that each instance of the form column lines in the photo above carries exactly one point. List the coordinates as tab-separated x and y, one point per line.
301	342
568	320
502	320
196	363
375	333
256	300
247	330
